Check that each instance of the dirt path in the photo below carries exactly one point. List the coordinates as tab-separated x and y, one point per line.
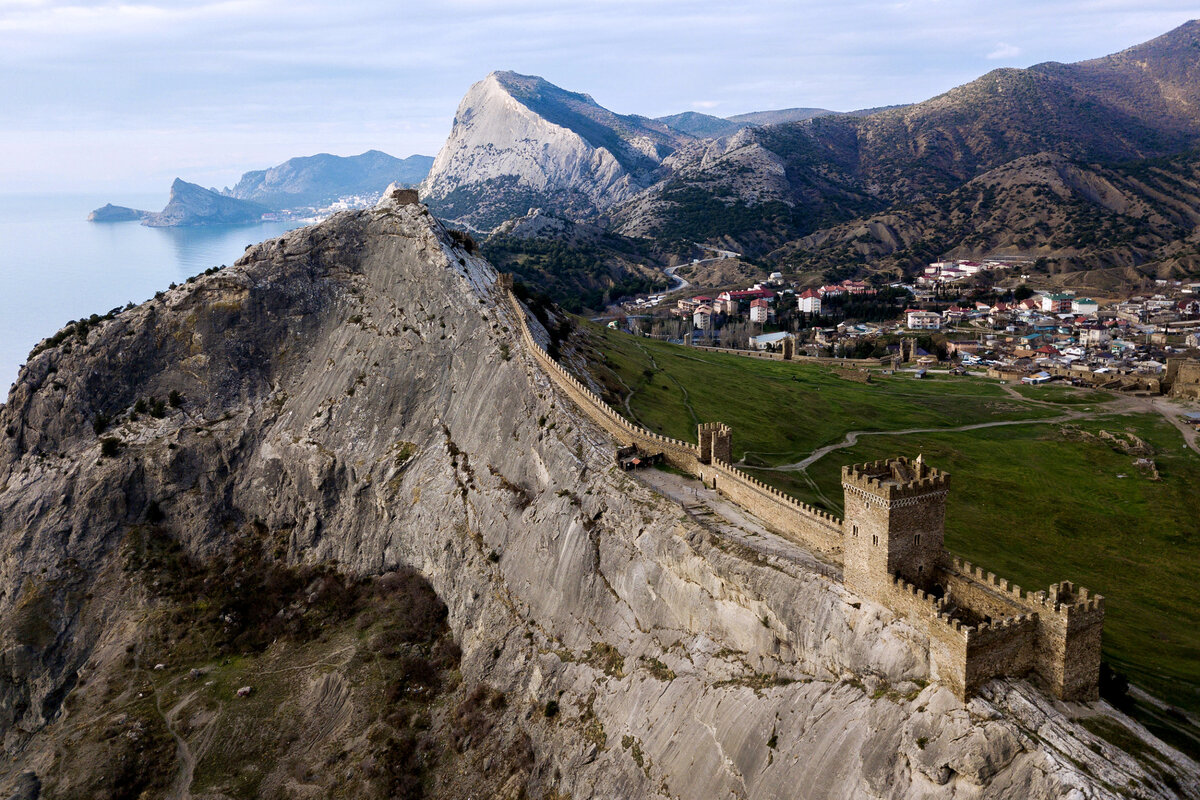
182	785
853	436
1117	405
687	398
181	789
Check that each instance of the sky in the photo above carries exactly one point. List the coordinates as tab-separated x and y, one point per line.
124	96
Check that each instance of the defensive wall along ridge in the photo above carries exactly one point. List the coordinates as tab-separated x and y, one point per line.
891	546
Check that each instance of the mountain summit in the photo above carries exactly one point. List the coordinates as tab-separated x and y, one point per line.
519	141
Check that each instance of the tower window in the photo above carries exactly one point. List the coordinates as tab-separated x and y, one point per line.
916	538
854	531
875	539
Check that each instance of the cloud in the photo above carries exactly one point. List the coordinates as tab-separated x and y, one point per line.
1004	50
245	82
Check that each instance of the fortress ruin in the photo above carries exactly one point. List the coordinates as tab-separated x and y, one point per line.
891	548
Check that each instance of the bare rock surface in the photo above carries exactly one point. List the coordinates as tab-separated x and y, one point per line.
519	142
354	392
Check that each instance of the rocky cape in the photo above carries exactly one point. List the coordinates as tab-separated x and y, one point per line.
354	396
297	185
188	204
111	213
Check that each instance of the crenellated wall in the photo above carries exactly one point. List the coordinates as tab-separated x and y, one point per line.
795	520
891	545
681	455
1067	623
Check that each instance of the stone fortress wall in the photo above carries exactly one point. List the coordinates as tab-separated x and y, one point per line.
708	461
891	547
1183	378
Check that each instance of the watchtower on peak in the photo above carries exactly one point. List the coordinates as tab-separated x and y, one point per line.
895	523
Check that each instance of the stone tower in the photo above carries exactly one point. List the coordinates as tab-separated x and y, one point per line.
1068	641
716	442
895	523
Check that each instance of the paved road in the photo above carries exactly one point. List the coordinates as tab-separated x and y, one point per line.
677	283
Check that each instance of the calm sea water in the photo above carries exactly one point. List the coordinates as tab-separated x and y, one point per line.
55	266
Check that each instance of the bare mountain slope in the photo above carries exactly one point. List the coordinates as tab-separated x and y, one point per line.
352	401
1087	225
520	142
1137	104
324	178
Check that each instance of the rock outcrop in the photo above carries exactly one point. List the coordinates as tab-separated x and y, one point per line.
111	213
520	142
354	394
190	204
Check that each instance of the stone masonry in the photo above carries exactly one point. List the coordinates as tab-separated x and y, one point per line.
891	545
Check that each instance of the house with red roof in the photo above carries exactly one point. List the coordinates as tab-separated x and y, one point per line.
809	301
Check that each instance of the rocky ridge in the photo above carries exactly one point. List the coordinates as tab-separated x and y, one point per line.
354	393
520	142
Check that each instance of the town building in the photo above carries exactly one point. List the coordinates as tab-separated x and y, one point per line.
1057	303
768	341
809	302
919	320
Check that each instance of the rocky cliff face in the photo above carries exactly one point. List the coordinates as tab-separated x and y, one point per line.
190	204
353	395
520	142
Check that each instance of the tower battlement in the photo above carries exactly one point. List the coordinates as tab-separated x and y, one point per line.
894	479
716	442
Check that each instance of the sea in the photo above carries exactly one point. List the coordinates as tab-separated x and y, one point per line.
56	267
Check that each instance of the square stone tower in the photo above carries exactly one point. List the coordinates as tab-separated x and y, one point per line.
895	524
716	442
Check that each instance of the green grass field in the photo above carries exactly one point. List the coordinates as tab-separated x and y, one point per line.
782	411
1036	503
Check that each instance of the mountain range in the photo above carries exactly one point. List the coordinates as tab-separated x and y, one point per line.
297	185
877	190
321	179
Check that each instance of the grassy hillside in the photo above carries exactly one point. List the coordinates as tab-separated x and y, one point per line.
1036	502
781	411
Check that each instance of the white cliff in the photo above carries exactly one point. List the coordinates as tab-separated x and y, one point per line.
519	142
